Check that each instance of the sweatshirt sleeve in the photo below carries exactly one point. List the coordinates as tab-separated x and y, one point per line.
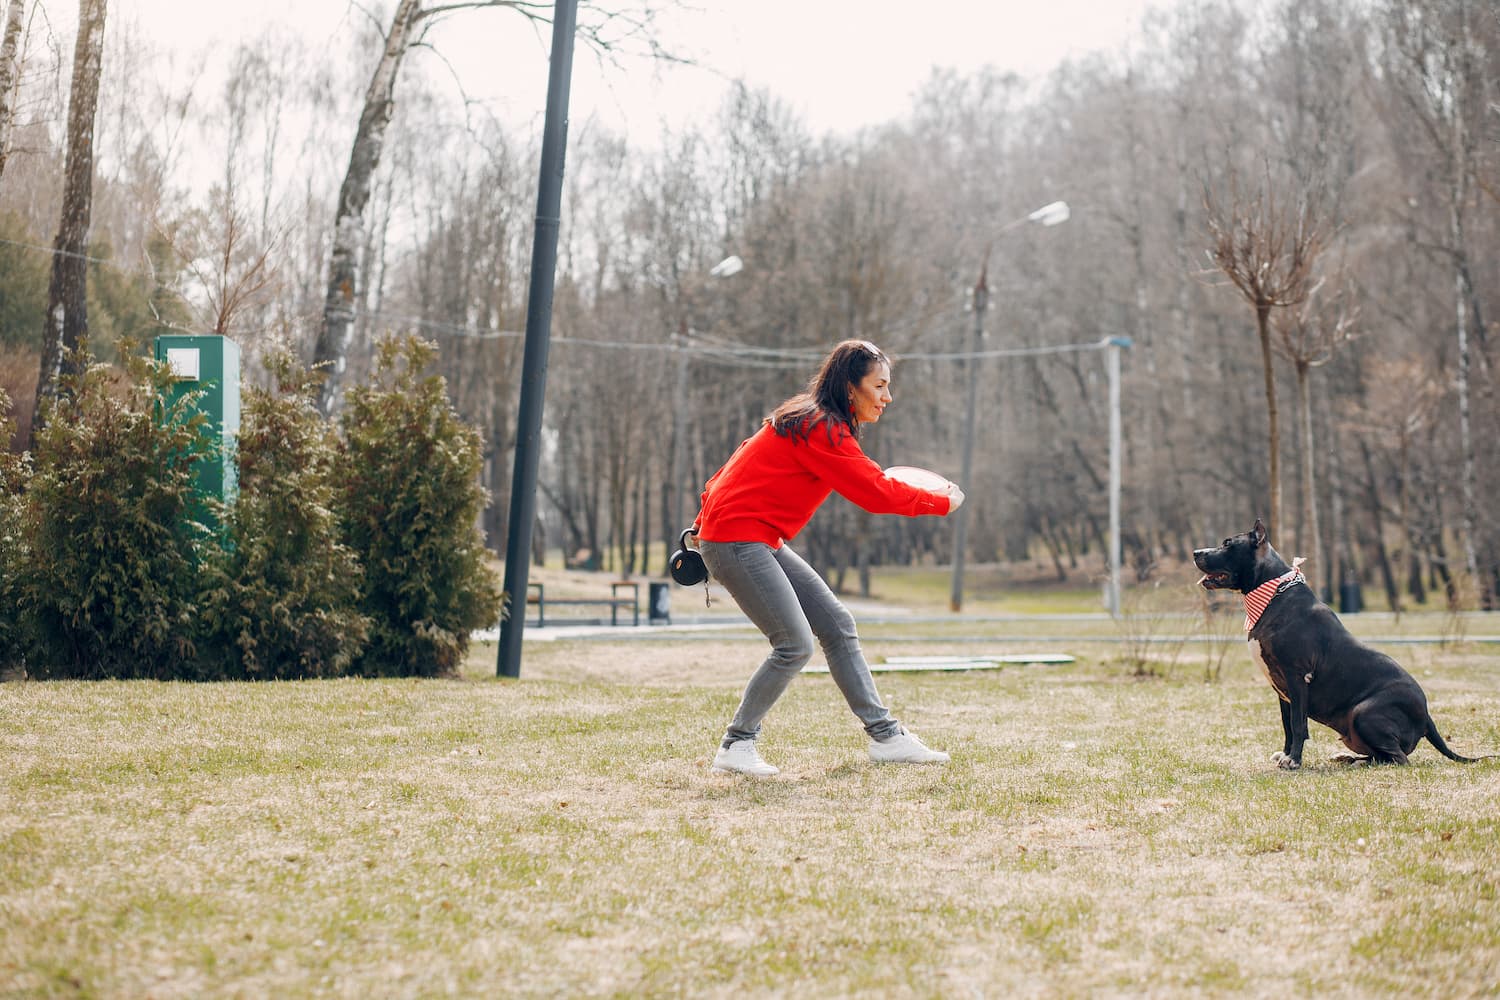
854	476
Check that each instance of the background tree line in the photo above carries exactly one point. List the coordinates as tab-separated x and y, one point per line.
1346	149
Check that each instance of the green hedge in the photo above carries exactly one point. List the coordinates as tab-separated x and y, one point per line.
343	552
14	473
410	501
110	584
281	602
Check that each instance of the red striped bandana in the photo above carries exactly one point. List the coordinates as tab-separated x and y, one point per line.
1258	599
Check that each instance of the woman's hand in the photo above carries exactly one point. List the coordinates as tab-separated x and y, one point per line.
955	497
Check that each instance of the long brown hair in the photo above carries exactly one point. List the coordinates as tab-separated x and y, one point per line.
826	398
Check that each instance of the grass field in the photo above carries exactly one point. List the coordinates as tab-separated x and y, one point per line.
1098	833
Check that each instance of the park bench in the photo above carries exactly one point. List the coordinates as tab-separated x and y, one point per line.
623	595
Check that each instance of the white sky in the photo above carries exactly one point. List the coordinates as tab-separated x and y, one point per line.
840	64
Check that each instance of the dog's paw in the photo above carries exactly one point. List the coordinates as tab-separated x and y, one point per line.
1348	758
1285	762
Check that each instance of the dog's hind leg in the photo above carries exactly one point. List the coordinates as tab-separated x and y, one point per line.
1384	732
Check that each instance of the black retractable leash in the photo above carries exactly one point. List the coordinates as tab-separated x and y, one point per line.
688	568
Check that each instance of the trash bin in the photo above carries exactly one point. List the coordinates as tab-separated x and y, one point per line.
1349	597
659	604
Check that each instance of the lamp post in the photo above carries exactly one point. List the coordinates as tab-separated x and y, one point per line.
1048	215
679	428
1113	346
726	268
966	481
538	338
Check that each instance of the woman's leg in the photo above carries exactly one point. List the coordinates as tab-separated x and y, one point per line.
834	626
758	584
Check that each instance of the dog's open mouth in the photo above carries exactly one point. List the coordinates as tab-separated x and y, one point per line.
1215	581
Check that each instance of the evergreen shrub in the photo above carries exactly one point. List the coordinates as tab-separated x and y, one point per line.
114	563
13	476
409	502
282	602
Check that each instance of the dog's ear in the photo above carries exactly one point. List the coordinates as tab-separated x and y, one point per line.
1258	533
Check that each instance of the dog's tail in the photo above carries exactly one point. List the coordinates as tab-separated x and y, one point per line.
1436	739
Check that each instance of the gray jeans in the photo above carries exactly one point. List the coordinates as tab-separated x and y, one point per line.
791	604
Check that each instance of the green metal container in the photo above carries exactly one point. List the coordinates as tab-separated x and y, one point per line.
210	364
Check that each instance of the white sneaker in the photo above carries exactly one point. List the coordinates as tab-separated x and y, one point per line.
743	757
904	748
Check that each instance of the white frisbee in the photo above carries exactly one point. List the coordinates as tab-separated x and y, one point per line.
922	479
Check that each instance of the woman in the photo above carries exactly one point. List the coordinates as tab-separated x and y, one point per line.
760	499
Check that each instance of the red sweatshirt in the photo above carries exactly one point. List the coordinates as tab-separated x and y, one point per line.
771	485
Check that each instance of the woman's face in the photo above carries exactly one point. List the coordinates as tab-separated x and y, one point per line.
872	394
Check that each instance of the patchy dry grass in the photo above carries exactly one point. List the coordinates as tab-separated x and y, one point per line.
1096	834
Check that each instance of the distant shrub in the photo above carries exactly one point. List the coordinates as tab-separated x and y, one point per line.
18	369
409	503
110	586
282	602
23	274
14	472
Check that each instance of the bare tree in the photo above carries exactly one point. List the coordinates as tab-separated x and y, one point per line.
407	30
235	271
1404	400
67	308
1308	335
10	73
1266	250
1438	73
834	245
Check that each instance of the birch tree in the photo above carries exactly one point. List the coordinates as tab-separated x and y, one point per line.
348	227
407	30
10	72
66	324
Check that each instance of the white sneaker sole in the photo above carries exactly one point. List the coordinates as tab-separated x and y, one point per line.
749	774
764	770
924	755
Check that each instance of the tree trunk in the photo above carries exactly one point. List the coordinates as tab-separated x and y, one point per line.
1273	516
10	70
1382	557
1309	483
338	305
1468	514
67	310
1462	164
1338	546
1414	584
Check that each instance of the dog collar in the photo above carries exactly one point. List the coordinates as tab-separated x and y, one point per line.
1260	598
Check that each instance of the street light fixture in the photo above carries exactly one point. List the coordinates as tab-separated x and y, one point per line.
1048	215
728	267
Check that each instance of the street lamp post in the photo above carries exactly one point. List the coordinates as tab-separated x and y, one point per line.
538	339
960	526
726	268
1048	215
679	427
1113	346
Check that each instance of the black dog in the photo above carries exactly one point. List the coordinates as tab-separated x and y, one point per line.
1320	671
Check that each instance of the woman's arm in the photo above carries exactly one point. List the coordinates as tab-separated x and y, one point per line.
855	477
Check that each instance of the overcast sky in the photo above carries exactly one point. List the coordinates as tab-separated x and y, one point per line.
841	64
